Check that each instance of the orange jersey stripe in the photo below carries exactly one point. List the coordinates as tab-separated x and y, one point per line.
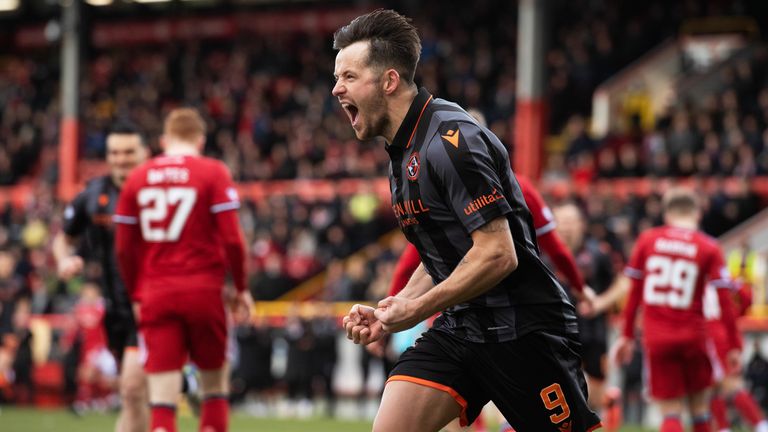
417	122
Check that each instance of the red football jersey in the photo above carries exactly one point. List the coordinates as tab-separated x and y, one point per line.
89	316
543	219
671	267
715	313
549	242
174	201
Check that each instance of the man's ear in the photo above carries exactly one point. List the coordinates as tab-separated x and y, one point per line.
391	81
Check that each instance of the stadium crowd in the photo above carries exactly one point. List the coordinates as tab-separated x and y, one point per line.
272	116
724	135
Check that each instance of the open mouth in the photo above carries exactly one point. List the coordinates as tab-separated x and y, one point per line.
352	113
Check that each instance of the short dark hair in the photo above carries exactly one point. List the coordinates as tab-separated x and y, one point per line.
680	200
125	127
394	41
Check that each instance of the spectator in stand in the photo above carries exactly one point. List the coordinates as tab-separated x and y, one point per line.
325	329
579	141
270	282
11	286
22	354
299	371
254	373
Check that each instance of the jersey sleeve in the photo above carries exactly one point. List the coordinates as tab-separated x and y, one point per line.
717	272
128	238
224	195
459	158
543	219
720	278
635	268
224	198
635	272
76	216
127	209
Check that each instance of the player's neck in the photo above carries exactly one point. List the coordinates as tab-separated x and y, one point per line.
398	109
117	181
683	223
181	150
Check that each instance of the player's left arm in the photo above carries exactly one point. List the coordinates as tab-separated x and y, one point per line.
491	259
634	273
128	239
234	246
468	171
720	278
224	205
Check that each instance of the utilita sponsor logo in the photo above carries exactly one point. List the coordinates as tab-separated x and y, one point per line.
483	201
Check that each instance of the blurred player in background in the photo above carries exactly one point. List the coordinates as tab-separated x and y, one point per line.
506	334
89	216
177	234
669	268
597	269
97	369
730	384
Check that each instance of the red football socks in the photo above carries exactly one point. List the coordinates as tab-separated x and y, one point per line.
672	424
163	418
747	407
214	416
720	412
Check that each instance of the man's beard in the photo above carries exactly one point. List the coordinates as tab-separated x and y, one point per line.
376	126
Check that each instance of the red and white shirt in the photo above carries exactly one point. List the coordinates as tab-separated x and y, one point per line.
177	214
670	268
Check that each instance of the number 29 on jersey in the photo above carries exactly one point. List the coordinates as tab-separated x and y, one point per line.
669	281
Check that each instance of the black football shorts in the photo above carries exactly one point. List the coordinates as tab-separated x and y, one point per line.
536	381
122	333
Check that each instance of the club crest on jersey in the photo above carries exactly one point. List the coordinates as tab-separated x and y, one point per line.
413	167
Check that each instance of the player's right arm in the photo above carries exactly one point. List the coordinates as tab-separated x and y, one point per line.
624	347
128	239
419	283
361	324
76	219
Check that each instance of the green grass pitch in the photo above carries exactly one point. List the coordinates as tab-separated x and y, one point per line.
29	420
